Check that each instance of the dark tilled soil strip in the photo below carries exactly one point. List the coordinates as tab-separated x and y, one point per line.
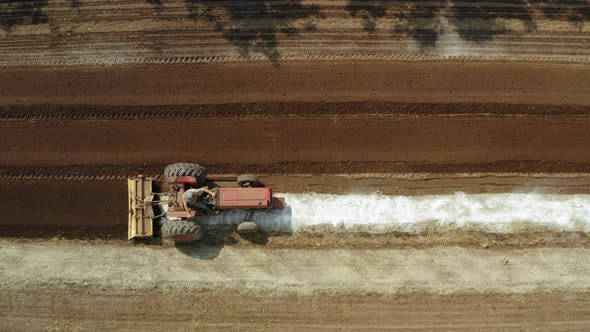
270	110
112	172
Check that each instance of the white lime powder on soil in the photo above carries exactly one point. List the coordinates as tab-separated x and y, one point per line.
501	213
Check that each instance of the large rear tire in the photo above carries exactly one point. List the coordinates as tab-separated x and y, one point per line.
187	169
182	231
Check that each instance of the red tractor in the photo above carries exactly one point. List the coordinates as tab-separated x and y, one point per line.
180	224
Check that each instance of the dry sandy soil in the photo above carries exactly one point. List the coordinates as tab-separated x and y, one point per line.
177	31
83	309
75	285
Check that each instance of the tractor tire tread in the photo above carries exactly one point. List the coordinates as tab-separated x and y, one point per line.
171	228
186	169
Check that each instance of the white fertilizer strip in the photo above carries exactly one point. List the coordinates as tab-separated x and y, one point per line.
502	213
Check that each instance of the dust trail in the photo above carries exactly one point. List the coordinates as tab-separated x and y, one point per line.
499	213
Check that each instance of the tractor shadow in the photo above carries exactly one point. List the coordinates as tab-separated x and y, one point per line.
220	231
200	250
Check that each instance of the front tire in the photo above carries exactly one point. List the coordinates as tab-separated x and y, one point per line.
248	227
249	180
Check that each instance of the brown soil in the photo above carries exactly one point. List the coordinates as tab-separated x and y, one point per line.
111	179
100	233
201	310
319	238
223	172
322	238
434	140
315	82
64	203
79	285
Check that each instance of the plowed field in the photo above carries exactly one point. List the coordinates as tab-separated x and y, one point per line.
460	125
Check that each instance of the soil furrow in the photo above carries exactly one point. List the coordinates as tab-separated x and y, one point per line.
291	110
